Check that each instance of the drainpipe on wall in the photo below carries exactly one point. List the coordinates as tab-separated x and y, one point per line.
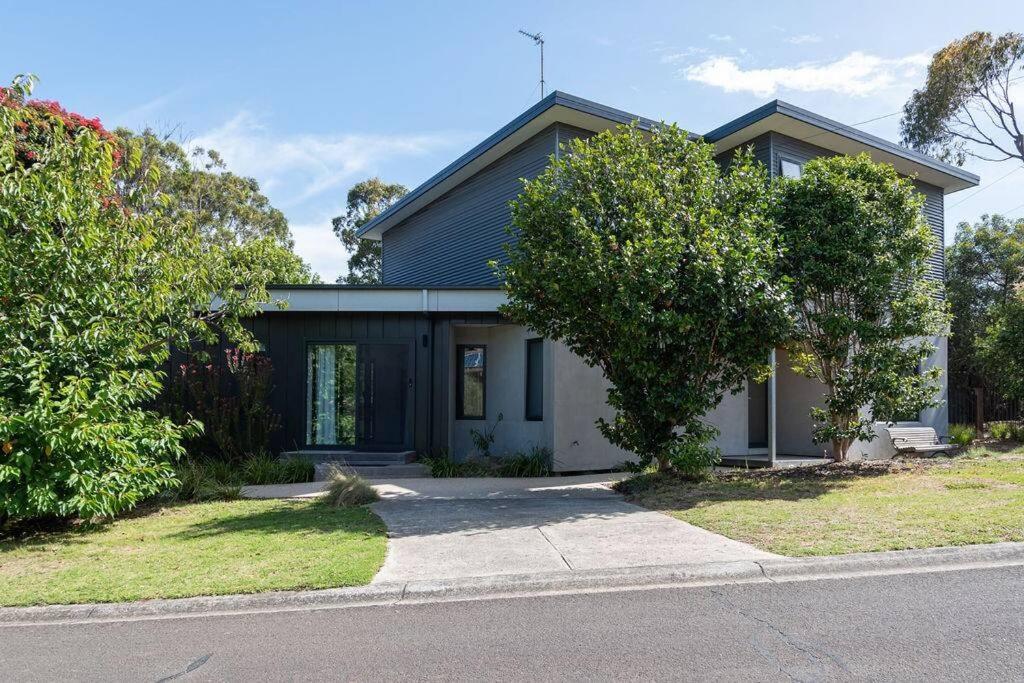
771	411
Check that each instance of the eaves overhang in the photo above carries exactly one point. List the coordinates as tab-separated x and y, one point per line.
801	124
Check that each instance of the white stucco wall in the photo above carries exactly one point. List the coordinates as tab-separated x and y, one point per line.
795	395
578	398
506	392
731	418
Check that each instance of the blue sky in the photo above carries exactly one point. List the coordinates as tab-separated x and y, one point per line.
311	97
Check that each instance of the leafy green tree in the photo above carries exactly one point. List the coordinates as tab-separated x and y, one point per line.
228	210
984	268
637	252
1001	346
966	106
856	248
366	200
92	296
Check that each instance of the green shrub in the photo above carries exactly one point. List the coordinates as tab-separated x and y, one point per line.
205	479
1017	432
961	434
348	489
1001	430
536	463
266	469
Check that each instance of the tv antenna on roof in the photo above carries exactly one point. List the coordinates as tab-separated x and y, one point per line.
538	39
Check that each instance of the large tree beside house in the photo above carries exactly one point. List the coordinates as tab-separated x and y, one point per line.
365	201
228	210
651	263
93	293
984	273
967	105
856	249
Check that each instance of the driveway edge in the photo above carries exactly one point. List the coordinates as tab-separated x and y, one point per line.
539	584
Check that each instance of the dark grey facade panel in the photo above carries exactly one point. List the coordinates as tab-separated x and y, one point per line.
450	241
566	133
762	151
285	336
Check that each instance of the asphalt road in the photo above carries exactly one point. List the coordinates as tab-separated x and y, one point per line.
966	625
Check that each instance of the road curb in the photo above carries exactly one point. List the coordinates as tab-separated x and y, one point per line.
526	585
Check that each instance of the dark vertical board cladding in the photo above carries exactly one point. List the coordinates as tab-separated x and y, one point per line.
285	335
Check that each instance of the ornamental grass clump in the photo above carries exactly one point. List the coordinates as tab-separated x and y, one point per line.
347	489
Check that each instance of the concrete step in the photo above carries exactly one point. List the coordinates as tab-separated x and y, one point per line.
355	457
373	471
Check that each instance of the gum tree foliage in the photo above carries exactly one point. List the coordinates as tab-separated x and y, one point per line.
637	252
984	270
856	248
966	107
366	200
1001	346
93	294
229	211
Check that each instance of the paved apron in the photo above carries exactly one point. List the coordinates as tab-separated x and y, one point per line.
448	528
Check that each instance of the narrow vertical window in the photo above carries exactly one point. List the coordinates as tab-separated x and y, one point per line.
330	394
534	379
471	384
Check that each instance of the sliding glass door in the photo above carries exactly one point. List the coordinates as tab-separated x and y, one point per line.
331	395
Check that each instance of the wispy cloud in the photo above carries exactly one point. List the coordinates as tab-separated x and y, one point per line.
668	56
803	39
310	164
858	74
720	37
140	114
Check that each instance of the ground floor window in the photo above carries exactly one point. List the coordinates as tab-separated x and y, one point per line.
471	383
534	379
331	394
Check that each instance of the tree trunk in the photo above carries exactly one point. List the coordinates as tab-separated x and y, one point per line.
664	464
839	448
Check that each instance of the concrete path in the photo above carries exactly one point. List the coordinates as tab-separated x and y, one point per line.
452	528
456	528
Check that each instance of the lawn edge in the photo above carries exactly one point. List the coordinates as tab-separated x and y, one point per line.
927	560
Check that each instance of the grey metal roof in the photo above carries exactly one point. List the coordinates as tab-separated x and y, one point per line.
809	117
617	116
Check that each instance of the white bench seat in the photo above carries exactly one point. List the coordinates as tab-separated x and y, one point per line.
918	440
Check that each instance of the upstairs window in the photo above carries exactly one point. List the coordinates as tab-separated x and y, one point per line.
790	168
471	383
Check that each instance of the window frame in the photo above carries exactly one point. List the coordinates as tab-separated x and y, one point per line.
460	382
307	405
785	158
526	382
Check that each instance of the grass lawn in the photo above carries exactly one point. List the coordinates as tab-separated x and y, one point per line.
831	510
243	546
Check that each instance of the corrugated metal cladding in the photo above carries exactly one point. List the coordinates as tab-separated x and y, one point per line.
451	240
772	148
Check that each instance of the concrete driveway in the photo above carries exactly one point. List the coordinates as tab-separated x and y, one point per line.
449	528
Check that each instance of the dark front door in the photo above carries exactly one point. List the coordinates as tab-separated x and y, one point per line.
384	387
